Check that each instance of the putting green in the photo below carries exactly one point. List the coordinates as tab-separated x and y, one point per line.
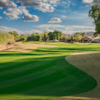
43	74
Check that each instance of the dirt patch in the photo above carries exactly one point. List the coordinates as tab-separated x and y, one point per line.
27	47
4	47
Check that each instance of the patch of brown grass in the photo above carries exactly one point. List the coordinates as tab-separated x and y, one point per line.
4	47
27	47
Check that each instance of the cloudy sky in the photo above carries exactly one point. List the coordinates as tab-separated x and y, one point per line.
30	16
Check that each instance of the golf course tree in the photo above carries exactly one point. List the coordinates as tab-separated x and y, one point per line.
16	36
57	34
44	36
34	37
94	13
83	34
50	34
23	38
6	38
3	39
9	38
72	38
95	34
76	37
63	38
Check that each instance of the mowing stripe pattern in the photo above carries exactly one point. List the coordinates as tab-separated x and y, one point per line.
41	74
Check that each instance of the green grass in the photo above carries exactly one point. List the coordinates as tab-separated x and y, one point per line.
43	73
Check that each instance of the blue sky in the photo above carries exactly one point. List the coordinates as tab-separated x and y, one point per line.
30	16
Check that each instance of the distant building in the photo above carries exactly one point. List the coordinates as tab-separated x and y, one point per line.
87	39
96	40
55	40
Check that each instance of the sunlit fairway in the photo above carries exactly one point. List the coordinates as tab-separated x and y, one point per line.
43	73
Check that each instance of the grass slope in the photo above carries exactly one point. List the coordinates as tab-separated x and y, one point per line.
43	74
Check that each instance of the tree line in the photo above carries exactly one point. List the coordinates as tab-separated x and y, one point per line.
77	37
6	38
11	37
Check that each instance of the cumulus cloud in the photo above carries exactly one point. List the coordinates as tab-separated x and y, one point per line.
87	1
13	13
55	20
7	3
28	17
42	5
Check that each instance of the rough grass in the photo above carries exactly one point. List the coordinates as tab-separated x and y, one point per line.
89	63
43	73
28	47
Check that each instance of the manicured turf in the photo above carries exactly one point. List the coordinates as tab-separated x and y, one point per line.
43	74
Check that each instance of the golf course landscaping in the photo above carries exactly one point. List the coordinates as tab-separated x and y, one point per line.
45	74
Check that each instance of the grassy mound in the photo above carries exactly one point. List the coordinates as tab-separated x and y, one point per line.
43	74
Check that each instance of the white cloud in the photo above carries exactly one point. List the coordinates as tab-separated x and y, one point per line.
13	13
75	28
45	7
7	3
87	1
55	20
9	29
42	5
67	29
80	27
0	17
28	17
63	16
46	26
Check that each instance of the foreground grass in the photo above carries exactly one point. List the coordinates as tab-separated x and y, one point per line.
43	74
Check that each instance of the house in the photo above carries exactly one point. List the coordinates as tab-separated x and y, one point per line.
96	40
87	39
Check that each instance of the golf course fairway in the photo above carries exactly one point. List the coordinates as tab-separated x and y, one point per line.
44	74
